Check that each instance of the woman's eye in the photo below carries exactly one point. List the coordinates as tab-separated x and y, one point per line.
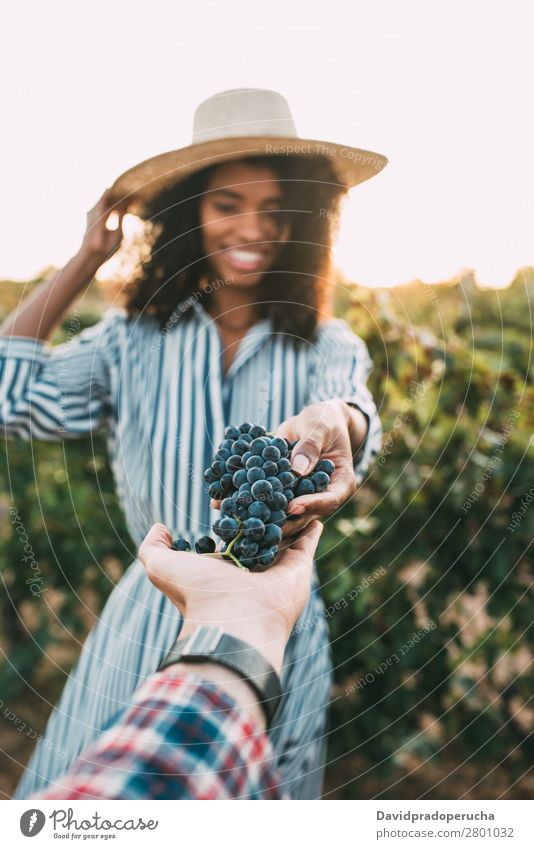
225	207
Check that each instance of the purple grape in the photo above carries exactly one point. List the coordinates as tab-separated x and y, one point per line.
260	510
226	528
253	528
261	490
215	490
254	475
304	487
255	462
276	484
239	447
257	431
271	453
264	560
245	498
239	478
280	443
226	482
257	445
234	463
287	479
278	501
325	466
205	545
181	544
272	535
320	481
246	547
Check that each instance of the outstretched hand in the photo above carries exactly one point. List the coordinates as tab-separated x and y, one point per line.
209	590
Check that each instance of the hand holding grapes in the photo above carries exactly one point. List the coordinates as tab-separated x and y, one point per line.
260	608
323	430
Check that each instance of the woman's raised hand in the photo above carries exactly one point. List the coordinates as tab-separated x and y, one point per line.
99	243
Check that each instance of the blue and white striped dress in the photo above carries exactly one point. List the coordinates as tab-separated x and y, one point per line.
163	400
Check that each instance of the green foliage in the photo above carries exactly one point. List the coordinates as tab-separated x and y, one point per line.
436	515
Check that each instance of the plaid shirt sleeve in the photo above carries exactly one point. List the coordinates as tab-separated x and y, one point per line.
181	738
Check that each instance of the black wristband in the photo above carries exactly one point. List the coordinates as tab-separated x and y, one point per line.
213	645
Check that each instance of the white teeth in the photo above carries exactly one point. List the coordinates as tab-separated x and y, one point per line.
245	256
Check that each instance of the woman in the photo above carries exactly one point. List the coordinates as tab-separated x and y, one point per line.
224	321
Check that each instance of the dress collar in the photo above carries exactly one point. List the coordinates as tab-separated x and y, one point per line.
254	338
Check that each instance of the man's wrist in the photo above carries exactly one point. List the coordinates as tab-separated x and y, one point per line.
240	690
269	640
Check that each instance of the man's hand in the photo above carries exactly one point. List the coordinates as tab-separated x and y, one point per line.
328	429
260	608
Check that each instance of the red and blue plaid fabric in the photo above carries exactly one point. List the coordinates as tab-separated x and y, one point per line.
181	738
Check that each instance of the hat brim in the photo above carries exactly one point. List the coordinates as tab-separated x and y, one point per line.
144	181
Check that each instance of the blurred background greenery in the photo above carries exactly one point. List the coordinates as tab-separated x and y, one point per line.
439	536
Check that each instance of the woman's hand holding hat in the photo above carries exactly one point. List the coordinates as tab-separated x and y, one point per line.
100	243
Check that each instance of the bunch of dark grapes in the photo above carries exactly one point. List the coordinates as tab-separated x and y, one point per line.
251	475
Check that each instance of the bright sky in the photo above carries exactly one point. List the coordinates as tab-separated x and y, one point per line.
442	88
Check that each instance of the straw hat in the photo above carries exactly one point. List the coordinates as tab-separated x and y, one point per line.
232	125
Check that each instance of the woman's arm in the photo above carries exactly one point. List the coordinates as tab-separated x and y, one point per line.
37	317
311	448
62	391
340	421
39	314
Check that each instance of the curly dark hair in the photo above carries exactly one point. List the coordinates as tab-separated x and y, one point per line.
294	293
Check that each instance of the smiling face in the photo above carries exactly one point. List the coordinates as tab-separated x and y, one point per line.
243	223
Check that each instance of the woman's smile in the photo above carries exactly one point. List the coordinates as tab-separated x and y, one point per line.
243	223
245	259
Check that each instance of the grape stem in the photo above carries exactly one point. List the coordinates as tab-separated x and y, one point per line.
228	551
237	563
222	554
